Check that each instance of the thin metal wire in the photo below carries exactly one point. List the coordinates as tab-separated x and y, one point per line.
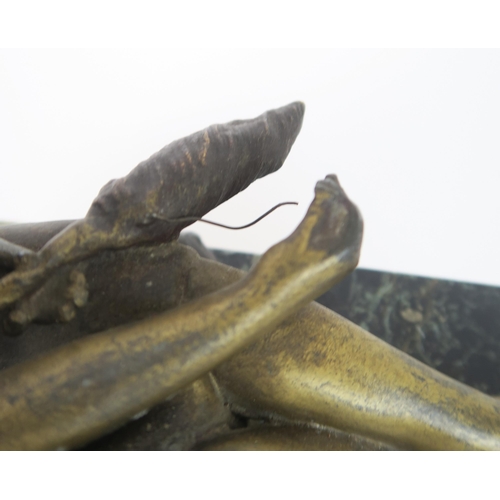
198	219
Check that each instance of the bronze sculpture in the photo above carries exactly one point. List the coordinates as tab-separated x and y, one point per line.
228	344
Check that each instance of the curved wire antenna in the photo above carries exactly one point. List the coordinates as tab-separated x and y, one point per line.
199	219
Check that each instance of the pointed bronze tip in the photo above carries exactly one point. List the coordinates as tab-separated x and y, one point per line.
294	111
299	106
283	127
191	176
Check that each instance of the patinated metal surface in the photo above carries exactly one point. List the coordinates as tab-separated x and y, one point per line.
451	326
139	365
194	354
187	178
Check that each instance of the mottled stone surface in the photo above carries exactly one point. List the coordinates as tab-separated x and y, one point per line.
451	326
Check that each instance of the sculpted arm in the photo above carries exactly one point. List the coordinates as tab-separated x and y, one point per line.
91	386
320	367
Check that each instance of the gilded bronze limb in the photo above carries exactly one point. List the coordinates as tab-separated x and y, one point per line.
319	367
93	385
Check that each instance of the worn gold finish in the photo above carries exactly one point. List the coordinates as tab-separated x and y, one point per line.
288	437
319	367
93	385
211	339
336	374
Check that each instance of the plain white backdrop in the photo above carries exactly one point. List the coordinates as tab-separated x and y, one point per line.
412	135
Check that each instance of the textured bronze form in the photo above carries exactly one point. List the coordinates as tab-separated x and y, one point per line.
187	178
198	344
95	384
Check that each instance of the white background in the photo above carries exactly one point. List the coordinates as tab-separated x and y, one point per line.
412	134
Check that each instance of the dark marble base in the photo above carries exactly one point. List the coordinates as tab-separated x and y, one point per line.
451	326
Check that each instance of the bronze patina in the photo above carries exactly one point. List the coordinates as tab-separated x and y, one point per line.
124	331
